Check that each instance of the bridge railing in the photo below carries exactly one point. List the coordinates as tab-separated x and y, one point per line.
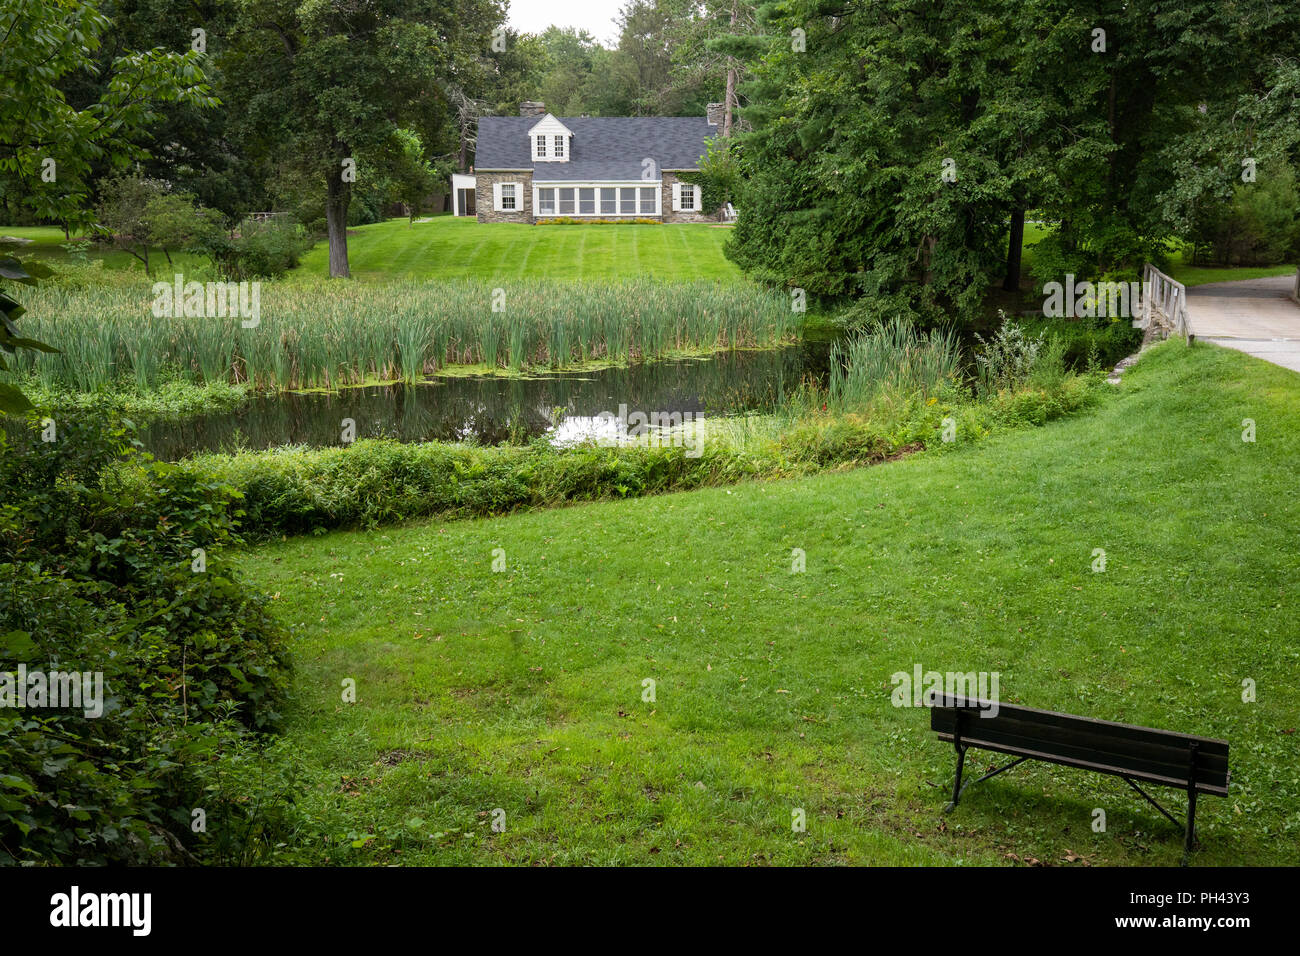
1164	301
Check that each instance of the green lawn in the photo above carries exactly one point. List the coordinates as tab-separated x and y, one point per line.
523	690
1187	274
446	247
1200	275
47	243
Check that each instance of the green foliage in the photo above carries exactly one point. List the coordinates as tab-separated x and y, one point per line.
1259	226
99	576
1087	343
845	192
46	48
12	400
259	250
719	177
1005	360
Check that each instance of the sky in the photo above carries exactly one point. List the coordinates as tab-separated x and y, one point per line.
594	16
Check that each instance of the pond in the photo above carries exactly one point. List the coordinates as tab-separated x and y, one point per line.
497	409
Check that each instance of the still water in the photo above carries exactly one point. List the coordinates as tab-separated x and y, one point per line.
496	409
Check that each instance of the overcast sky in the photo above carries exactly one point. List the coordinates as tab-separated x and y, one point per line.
594	16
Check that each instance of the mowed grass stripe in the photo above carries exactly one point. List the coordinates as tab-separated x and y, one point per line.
446	248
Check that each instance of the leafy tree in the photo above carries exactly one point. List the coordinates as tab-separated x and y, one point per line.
898	143
412	177
47	144
318	85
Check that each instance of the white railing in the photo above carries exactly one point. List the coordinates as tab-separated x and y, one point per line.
1164	300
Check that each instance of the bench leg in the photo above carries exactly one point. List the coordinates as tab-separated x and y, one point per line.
956	782
1189	840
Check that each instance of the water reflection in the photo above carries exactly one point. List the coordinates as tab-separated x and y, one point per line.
493	410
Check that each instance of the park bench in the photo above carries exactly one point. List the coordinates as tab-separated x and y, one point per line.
1162	757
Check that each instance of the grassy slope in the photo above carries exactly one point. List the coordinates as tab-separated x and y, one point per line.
448	248
522	690
47	243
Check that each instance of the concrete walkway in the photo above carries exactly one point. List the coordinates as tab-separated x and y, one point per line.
1255	316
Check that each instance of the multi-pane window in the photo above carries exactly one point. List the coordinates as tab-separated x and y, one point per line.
648	200
557	146
587	200
608	201
546	201
688	196
508	194
541	147
627	201
566	201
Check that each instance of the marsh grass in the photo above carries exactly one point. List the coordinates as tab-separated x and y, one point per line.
892	362
325	335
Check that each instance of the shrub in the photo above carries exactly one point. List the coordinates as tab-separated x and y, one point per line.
1006	360
98	575
260	250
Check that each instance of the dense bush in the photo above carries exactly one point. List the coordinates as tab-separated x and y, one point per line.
97	575
259	250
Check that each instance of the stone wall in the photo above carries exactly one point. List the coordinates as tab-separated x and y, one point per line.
666	204
483	183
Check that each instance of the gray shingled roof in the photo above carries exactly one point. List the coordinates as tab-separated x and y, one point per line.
604	147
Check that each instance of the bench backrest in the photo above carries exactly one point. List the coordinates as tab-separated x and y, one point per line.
1143	753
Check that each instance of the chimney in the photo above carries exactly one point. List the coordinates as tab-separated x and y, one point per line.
715	112
532	108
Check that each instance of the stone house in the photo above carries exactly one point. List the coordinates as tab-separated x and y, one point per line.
536	166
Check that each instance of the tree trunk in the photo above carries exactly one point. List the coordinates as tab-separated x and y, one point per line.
1015	243
336	219
730	98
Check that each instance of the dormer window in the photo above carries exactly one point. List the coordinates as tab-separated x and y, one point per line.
548	140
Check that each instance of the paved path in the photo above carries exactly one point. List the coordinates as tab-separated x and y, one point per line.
1255	316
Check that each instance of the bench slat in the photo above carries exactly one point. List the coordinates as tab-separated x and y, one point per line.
1158	754
1143	753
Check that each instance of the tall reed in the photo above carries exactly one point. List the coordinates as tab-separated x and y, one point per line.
889	360
319	335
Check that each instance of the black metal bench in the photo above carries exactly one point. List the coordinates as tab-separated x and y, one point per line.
1163	757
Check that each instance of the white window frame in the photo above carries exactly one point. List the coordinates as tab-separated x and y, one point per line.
696	199
617	186
539	150
498	198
